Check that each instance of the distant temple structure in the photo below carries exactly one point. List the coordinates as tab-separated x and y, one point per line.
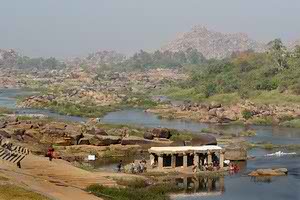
185	156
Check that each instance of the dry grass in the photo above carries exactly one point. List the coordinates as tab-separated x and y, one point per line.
12	192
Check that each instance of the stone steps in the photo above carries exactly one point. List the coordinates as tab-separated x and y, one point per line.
15	155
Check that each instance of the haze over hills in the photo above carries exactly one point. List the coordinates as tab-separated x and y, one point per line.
210	43
213	44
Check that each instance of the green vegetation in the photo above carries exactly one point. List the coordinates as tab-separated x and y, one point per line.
5	111
295	123
181	135
16	193
133	191
267	78
263	121
248	133
26	63
270	146
144	60
247	114
76	109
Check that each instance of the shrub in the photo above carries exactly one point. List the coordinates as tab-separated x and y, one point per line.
263	121
248	133
157	192
295	123
210	90
247	114
267	85
296	89
5	111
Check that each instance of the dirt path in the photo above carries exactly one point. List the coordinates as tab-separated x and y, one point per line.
57	179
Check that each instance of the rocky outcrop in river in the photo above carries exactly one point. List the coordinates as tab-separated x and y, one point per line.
269	172
218	113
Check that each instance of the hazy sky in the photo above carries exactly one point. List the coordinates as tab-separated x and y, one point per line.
65	28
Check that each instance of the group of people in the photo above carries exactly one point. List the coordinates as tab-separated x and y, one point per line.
233	168
133	167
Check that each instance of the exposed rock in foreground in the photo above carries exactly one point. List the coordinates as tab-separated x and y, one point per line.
213	44
269	172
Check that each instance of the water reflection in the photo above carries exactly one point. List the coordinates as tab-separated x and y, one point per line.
199	186
263	179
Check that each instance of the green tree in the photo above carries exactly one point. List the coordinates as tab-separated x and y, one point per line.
297	51
278	53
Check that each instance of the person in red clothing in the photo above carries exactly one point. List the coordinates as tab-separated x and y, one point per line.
236	168
50	153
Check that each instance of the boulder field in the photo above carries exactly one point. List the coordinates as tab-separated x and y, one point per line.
218	113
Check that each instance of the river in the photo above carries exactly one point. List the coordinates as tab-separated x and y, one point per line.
236	187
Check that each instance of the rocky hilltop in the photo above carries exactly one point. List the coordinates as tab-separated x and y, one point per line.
213	44
8	57
292	45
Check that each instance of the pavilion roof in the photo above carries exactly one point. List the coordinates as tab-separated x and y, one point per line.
185	149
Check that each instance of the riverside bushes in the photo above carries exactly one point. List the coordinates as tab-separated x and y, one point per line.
250	75
133	192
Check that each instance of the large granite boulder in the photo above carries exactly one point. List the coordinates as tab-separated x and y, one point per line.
99	131
204	139
19	132
235	153
54	129
105	140
4	134
161	133
3	124
56	126
148	135
133	140
269	172
178	143
84	141
57	140
158	133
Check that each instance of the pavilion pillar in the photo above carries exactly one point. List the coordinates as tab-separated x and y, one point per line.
185	182
222	187
160	163
185	160
196	159
221	161
196	184
173	160
152	159
209	158
209	184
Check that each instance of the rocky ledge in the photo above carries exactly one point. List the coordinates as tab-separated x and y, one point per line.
269	172
246	112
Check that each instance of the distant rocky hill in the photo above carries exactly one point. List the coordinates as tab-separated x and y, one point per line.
8	58
213	44
292	45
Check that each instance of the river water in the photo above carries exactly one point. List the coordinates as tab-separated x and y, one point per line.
236	187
